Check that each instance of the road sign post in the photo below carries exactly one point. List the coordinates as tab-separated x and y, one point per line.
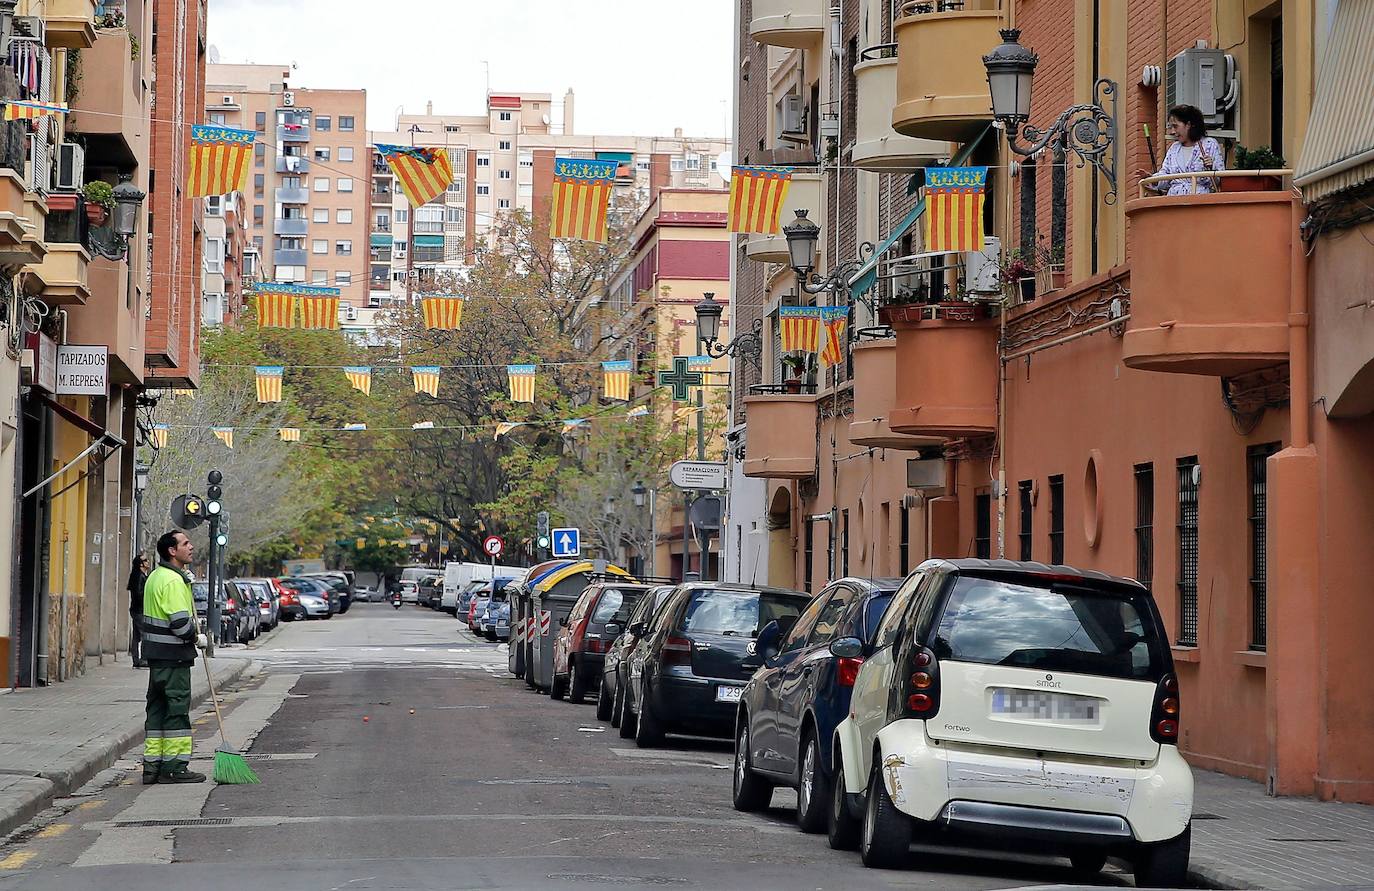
493	546
567	542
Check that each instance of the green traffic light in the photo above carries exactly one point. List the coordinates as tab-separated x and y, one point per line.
221	539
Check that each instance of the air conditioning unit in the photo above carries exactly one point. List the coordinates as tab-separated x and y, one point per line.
288	99
1205	78
71	167
31	26
350	314
982	268
229	100
793	115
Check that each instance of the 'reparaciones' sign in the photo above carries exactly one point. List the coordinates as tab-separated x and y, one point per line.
708	475
83	370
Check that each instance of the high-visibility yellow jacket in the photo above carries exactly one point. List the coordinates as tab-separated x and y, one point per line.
169	616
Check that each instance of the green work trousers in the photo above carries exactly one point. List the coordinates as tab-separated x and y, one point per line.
167	726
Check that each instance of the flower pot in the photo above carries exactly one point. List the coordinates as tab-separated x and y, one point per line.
1027	289
792	385
1251	183
97	214
901	312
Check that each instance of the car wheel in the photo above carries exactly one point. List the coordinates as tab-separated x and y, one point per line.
577	684
603	701
886	835
617	703
1087	864
628	720
813	788
751	792
648	730
842	827
1164	864
557	687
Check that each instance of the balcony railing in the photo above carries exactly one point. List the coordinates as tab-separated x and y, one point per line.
946	373
293	226
792	23
942	88
293	133
292	164
877	147
293	196
782	435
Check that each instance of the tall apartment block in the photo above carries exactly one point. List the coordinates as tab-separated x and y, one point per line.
307	201
230	259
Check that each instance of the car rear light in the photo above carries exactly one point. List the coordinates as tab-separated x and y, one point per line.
594	646
677	651
288	598
847	671
921	692
1164	716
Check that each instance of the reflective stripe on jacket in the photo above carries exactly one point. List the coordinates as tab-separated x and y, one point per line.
169	616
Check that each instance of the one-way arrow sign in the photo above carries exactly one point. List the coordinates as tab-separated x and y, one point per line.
567	542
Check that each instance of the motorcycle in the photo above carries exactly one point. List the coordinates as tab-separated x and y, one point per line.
396	600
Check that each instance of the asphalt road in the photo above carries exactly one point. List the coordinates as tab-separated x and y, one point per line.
396	752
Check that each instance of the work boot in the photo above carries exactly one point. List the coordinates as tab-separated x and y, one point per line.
181	776
150	777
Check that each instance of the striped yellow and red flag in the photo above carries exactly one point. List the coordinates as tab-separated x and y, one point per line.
616	379
320	310
289	434
424	173
360	376
26	109
834	322
276	309
800	328
160	432
426	378
521	382
505	427
581	194
220	158
756	196
224	435
954	208
269	383
442	313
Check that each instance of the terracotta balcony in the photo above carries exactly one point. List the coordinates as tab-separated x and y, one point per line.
108	319
63	276
108	110
875	393
1214	304
805	193
877	147
782	435
942	87
18	242
793	23
70	24
946	374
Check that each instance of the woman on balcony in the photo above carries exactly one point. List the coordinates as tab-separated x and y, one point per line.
1192	151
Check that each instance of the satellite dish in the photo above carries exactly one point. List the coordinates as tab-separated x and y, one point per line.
724	162
547	120
213	55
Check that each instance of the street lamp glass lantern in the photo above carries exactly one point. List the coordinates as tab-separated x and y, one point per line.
709	312
802	236
638	491
141	477
1011	68
128	199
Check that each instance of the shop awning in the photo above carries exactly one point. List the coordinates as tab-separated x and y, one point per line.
867	276
1338	150
429	241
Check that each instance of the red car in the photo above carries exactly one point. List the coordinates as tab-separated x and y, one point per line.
596	620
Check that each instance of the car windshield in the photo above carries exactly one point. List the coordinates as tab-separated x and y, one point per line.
738	612
305	586
615	605
1050	628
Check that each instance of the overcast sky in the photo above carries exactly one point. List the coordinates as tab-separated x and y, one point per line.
638	67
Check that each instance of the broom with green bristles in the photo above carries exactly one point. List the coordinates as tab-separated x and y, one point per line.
230	768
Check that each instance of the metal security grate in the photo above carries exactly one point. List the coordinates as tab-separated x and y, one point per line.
1145	524
198	821
1187	551
1057	520
1256	458
1024	534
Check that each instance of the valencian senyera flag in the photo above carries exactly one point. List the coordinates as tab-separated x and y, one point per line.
800	327
424	173
756	196
219	162
443	313
269	383
289	434
276	305
354	428
954	208
581	194
224	435
422	425
572	424
639	411
521	382
505	427
320	310
360	376
26	109
160	432
426	379
616	379
834	322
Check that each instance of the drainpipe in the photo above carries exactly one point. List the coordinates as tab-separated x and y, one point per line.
1300	375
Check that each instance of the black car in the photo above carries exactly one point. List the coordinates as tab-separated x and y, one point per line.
318	588
610	701
339	591
688	673
792	705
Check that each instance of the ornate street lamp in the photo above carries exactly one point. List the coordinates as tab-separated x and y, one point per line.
1088	130
112	241
748	345
802	236
639	492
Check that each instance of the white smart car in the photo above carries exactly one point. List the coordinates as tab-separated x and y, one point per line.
1033	706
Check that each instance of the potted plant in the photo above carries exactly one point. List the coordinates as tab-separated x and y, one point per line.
1259	158
906	306
99	200
1018	272
796	364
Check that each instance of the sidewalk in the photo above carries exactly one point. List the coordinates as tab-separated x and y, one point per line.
54	739
1242	838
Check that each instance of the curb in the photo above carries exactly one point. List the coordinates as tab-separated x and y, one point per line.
1209	877
62	783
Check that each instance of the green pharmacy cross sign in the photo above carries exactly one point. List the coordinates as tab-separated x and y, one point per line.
681	379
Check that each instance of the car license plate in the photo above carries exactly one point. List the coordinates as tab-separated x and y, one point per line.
1033	705
728	694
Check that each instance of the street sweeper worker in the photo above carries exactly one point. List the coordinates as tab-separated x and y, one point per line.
170	641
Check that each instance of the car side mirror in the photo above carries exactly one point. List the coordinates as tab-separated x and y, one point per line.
847	648
612	628
766	644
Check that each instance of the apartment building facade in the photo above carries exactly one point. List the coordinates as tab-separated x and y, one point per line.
1170	388
307	201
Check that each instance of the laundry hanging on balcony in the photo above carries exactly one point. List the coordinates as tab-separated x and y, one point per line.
22	109
442	313
800	328
220	158
954	208
834	321
426	379
521	382
616	380
424	173
756	197
269	382
581	195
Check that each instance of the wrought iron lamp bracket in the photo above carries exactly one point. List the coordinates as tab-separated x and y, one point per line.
1088	131
748	346
106	242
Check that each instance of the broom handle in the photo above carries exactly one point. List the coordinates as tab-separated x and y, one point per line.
215	699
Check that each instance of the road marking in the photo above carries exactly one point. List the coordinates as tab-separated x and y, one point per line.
90	805
52	831
261	821
17	859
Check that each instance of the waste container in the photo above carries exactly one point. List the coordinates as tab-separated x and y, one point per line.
551	600
520	614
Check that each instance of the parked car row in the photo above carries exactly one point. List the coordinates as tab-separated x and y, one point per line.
1030	706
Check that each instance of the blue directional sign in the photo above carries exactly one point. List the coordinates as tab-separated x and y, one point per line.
567	542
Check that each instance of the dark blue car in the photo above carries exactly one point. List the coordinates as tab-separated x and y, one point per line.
790	709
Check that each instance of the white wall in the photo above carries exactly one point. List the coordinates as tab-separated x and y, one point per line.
746	524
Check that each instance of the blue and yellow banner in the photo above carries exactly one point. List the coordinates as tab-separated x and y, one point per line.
219	161
954	208
581	195
521	382
616	379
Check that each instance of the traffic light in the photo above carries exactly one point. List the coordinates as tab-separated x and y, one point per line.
188	511
221	539
542	518
214	493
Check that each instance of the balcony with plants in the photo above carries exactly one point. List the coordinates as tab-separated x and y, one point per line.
941	89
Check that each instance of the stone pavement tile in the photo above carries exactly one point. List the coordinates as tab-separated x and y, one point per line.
54	739
1243	838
